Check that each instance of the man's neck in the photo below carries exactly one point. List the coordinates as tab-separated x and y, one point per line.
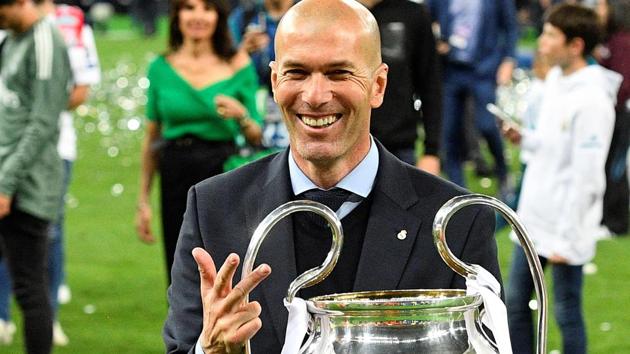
29	17
326	174
47	8
574	66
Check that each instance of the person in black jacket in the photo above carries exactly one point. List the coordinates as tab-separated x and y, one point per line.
327	77
408	48
478	42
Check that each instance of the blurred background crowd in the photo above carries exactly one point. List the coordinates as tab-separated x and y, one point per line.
158	94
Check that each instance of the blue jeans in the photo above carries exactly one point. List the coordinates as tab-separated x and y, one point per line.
56	274
567	291
5	291
458	85
56	254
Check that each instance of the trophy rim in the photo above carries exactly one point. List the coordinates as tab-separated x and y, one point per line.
412	300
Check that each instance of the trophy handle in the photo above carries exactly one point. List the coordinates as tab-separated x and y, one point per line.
467	271
311	276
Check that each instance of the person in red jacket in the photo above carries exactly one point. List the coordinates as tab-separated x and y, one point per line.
615	55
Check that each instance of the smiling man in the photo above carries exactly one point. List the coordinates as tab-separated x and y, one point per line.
326	96
34	89
327	77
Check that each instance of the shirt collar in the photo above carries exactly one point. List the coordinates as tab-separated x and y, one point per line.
359	181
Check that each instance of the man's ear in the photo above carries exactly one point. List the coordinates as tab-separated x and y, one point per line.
576	47
274	79
379	85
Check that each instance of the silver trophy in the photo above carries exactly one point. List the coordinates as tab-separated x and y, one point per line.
400	321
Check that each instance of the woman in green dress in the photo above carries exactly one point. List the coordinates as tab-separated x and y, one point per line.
201	97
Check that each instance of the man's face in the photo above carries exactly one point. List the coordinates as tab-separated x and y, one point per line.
553	46
9	16
326	85
603	11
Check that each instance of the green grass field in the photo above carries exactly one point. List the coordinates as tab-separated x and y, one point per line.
118	283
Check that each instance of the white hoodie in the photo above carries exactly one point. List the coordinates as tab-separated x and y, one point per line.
563	186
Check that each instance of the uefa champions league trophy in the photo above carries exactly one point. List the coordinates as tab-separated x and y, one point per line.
402	321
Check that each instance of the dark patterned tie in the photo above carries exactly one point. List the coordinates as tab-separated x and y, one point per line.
332	198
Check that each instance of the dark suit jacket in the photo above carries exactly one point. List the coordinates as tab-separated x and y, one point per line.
224	211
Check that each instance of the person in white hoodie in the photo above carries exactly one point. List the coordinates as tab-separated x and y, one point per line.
563	186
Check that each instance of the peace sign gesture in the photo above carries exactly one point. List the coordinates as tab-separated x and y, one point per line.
228	321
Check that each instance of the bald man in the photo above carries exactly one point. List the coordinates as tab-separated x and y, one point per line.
327	77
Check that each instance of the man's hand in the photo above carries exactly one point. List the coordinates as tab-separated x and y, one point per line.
429	163
228	321
254	40
504	72
557	259
511	132
5	205
442	47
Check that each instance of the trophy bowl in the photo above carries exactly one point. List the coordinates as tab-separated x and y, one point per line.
396	321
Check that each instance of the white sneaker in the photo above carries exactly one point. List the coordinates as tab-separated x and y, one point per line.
59	338
7	330
63	294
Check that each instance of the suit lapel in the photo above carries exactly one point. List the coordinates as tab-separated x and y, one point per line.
392	229
277	249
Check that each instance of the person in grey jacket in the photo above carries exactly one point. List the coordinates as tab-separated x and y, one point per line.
34	89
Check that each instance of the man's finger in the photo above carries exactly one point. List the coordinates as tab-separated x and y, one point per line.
223	282
207	269
240	316
246	331
243	324
246	285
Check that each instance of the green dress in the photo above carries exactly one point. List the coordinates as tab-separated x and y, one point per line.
183	112
182	109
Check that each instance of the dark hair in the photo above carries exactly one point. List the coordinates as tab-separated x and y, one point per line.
576	21
221	40
618	16
7	2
